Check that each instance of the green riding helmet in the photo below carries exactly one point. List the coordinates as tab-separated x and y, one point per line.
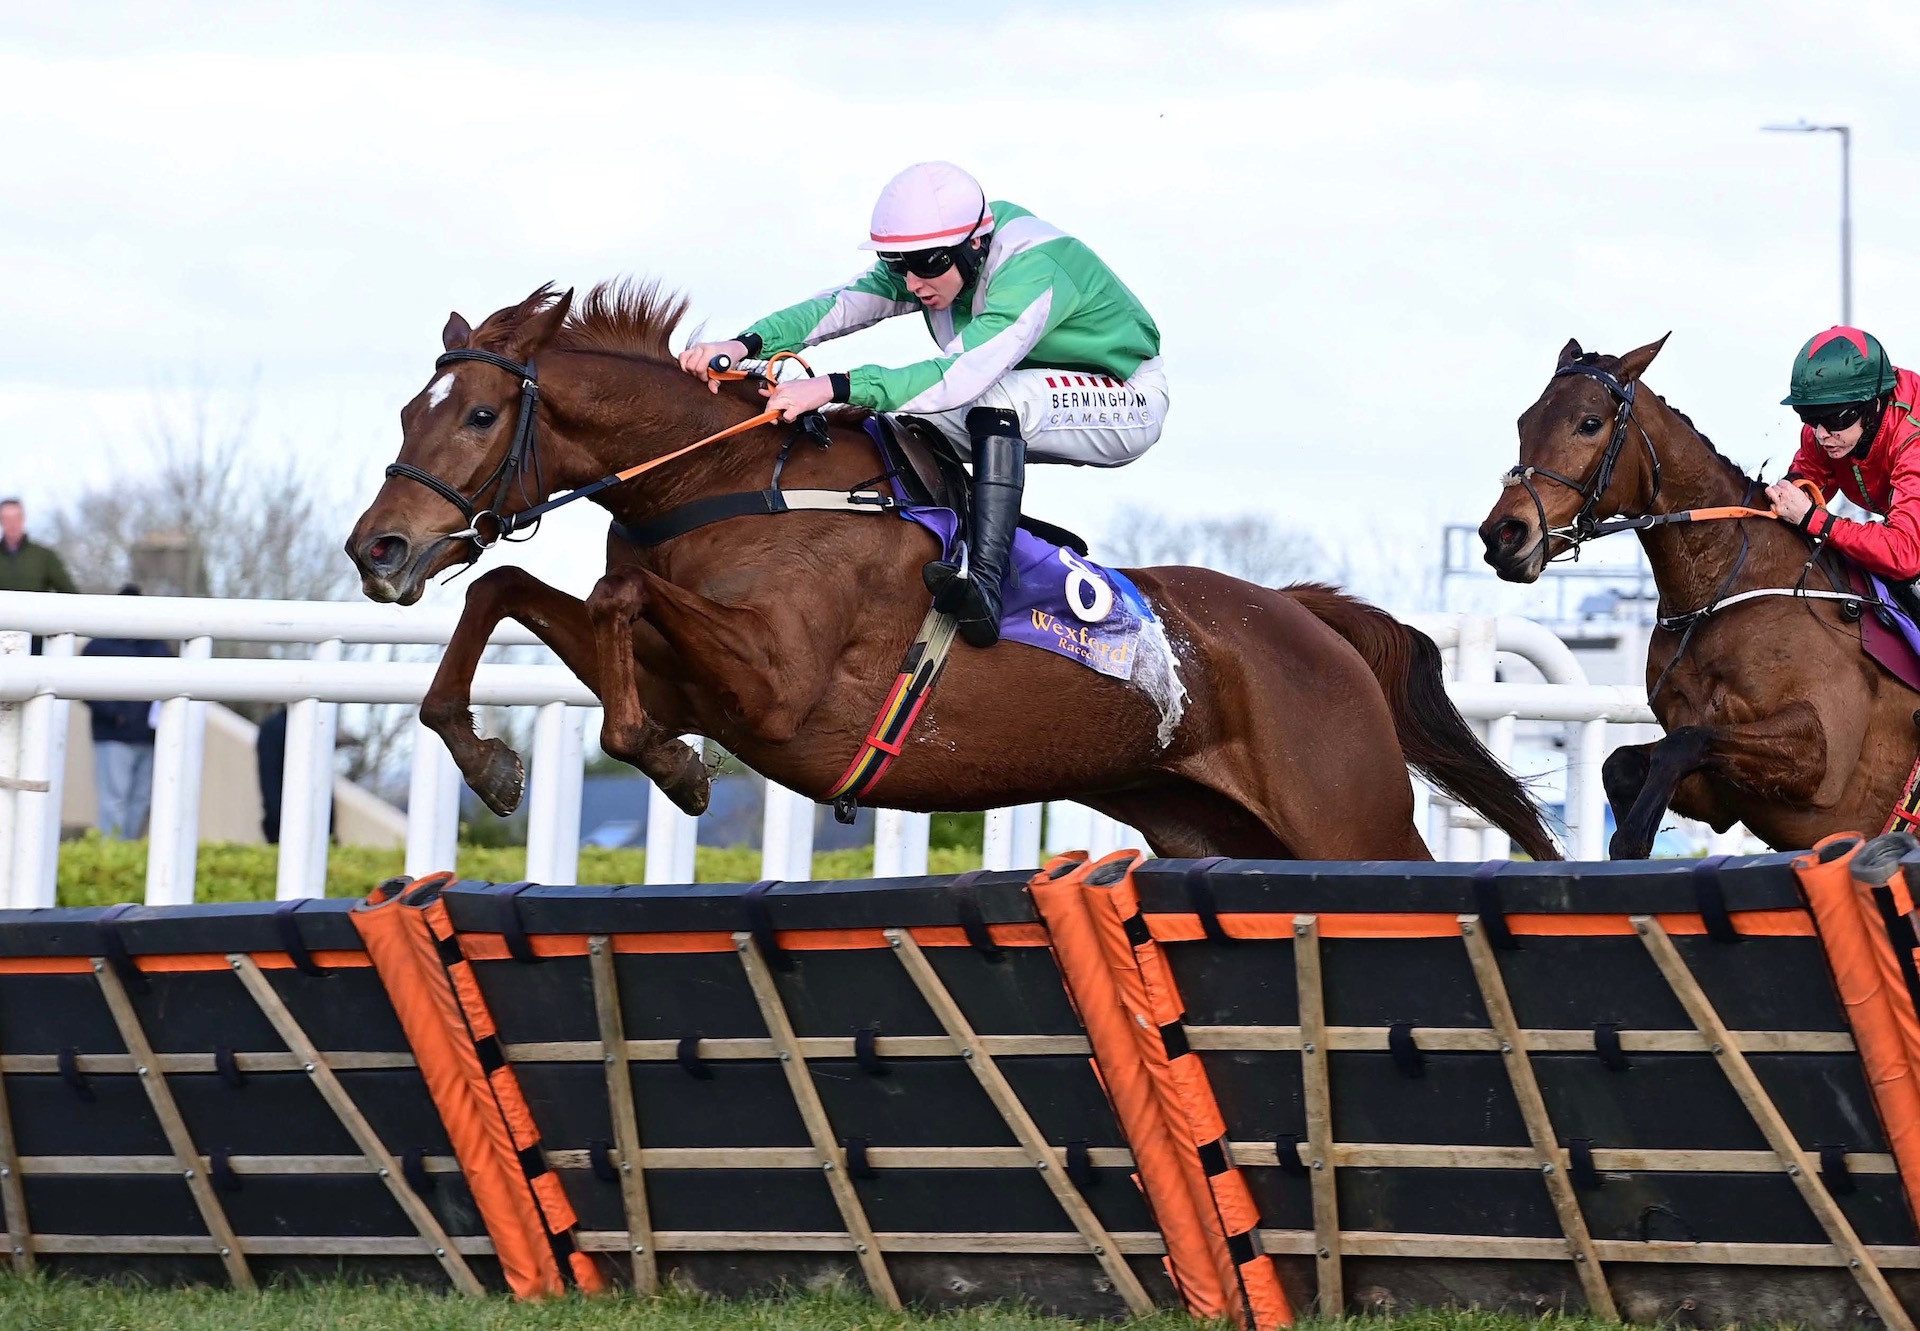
1839	365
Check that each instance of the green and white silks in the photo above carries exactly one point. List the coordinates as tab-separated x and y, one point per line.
1043	303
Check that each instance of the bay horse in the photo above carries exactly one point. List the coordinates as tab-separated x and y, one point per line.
1774	715
1278	724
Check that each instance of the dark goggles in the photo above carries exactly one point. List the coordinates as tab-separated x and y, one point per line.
926	264
1832	417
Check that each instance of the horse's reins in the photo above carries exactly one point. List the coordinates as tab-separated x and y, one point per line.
523	454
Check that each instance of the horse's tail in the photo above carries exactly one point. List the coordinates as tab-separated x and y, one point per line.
1435	738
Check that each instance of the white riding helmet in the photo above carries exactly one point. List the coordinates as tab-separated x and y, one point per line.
928	205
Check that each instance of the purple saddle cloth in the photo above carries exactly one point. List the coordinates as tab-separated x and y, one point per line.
1896	644
1057	600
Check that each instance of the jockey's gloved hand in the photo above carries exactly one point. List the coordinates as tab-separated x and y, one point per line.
697	359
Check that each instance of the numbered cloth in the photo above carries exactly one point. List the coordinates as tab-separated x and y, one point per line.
1059	601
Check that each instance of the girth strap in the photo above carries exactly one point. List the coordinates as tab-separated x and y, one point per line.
748	503
919	672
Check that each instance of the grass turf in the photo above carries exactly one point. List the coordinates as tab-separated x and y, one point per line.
98	872
39	1304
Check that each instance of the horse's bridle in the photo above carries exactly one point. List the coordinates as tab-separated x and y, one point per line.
523	456
1584	526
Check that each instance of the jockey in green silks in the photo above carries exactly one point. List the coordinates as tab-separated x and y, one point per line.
1043	352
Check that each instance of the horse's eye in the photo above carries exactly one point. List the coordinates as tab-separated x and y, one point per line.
483	418
1591	425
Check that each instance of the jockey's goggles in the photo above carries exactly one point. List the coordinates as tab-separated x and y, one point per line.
1832	417
927	264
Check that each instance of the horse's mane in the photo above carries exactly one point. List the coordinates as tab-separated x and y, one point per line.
626	316
1611	364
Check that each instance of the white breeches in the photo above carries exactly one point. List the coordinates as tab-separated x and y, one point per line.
1086	420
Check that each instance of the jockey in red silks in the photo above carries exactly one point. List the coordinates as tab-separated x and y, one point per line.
1858	438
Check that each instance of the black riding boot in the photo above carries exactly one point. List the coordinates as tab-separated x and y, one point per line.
999	476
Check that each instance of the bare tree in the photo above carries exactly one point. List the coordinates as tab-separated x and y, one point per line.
242	527
1247	545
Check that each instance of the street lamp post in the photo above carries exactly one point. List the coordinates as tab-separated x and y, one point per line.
1846	203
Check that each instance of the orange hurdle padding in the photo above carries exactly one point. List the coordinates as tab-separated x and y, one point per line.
1868	872
1123	990
412	943
1867	975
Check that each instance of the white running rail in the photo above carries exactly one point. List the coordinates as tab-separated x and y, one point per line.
37	691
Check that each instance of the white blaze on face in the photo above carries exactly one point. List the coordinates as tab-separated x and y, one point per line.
441	387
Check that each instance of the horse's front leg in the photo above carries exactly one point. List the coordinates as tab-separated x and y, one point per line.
1658	768
489	765
1781	757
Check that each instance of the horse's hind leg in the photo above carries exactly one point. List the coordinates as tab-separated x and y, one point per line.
1321	769
1181	820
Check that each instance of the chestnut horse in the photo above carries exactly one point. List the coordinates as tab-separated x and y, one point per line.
1273	724
1775	717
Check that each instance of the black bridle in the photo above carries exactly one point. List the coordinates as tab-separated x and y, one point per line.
523	456
1585	526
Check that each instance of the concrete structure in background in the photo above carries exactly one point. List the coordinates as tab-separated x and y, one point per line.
229	789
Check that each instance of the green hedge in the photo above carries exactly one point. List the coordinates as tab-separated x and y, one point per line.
98	872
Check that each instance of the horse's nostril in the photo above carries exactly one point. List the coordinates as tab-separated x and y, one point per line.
386	553
1510	533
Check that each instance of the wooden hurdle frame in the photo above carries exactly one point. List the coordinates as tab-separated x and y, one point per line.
1328	1242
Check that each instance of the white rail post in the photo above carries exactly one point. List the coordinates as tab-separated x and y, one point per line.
786	836
1586	793
306	791
673	837
173	839
1474	659
433	806
900	843
1012	838
1067	826
43	764
1496	844
1103	834
13	775
553	803
1422	808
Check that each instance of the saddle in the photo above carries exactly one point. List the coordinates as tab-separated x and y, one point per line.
931	474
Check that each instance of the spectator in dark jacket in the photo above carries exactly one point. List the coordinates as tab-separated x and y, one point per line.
123	743
24	566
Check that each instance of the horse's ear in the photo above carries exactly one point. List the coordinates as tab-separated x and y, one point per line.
1635	362
456	336
537	329
1569	354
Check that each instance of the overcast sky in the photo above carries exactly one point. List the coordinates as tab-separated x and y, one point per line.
1364	229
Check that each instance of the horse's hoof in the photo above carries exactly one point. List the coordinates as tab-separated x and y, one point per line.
502	778
1622	849
688	784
